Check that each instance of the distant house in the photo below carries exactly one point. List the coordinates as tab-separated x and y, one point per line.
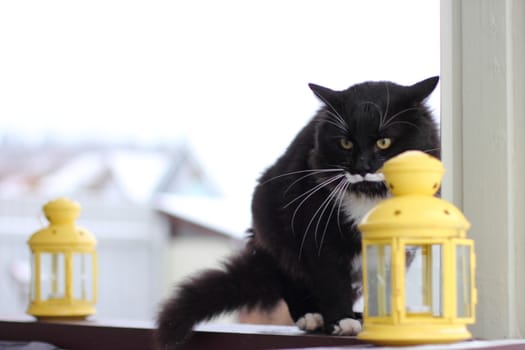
112	172
148	207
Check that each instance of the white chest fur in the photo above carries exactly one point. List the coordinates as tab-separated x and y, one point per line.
356	206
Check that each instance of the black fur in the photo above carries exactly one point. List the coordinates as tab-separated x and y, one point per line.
303	239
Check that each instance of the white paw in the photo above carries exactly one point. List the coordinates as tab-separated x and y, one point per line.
347	326
310	322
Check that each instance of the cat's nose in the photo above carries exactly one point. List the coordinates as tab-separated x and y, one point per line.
363	166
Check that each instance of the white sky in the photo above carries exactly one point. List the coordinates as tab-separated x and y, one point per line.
230	76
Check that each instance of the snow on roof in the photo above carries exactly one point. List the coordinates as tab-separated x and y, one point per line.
227	216
138	173
78	172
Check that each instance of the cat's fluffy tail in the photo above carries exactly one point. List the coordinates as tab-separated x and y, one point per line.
248	279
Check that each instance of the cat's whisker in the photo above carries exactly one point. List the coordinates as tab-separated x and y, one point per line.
405	122
308	194
314	189
343	192
335	114
382	121
338	125
333	119
431	149
332	195
339	120
329	105
339	194
300	172
308	175
320	211
391	119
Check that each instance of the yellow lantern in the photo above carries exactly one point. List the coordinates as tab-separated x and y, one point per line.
64	265
418	265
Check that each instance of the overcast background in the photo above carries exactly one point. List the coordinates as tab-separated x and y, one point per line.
230	77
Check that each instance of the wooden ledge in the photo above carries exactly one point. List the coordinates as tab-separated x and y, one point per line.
130	335
100	335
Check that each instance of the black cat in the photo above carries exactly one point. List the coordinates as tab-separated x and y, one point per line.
305	247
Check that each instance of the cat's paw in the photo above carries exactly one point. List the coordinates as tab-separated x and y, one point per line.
346	326
310	322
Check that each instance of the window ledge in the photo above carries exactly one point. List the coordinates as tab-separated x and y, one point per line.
101	335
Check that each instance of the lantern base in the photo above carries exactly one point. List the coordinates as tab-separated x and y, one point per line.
382	334
53	311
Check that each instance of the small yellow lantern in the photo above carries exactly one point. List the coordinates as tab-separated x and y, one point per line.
433	299
64	265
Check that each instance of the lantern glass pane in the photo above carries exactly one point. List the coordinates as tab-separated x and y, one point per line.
52	276
423	282
379	290
83	276
463	301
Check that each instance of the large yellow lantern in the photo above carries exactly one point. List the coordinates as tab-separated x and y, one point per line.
64	265
418	265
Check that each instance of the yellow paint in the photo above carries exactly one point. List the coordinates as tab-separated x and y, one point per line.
414	217
60	241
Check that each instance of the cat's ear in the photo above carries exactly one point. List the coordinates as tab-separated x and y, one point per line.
327	96
420	91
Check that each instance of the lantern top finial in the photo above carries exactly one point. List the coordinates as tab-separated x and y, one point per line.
413	178
413	172
61	211
62	232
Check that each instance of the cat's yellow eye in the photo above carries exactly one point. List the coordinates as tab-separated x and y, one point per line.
384	143
346	143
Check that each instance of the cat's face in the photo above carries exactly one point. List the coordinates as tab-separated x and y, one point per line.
362	127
